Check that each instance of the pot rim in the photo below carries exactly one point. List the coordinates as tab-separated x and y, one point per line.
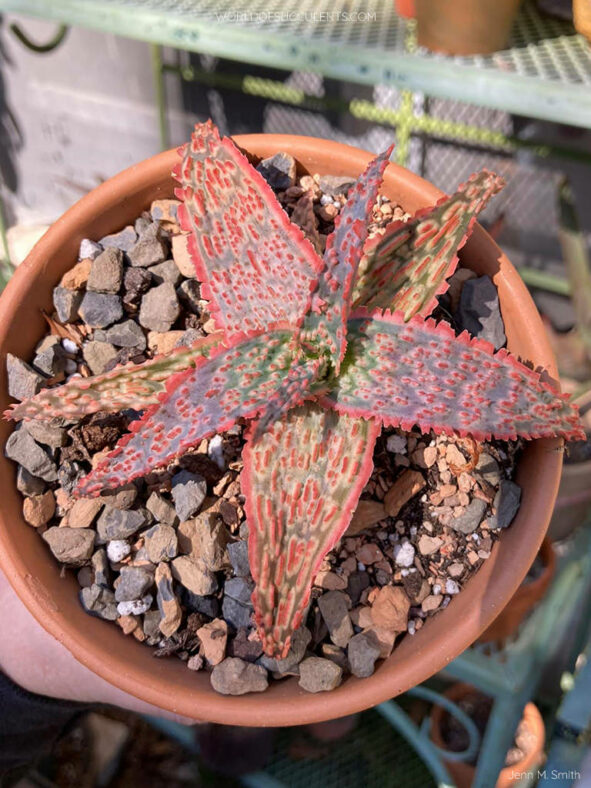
107	652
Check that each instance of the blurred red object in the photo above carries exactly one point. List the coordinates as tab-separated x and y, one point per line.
405	8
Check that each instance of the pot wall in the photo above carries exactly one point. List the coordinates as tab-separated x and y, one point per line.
167	683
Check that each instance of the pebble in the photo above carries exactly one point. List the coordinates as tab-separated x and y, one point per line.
189	294
39	509
136	282
77	277
67	303
159	308
488	469
23	381
47	433
334	607
161	508
165	211
50	357
101	569
279	171
318	674
168	605
238	615
479	311
214	638
396	444
69	346
234	676
451	587
117	550
135	607
28	484
246	646
215	451
122	498
161	543
195	662
106	272
356	585
126	334
194	575
89	249
455	569
390	608
188	493
166	272
506	504
123	240
238	555
469	521
70	545
98	355
181	256
369	554
407	485
133	583
22	448
335	184
119	524
404	554
362	653
431	603
429	544
99	602
147	251
99	310
300	640
367	514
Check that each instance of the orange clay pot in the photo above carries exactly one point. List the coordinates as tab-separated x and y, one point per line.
405	8
463	773
465	27
523	600
123	661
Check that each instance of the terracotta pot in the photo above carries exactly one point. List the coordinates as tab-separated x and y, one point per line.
167	683
463	773
573	504
523	600
405	8
463	27
582	17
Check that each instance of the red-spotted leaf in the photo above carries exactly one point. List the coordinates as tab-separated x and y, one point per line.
326	325
246	378
406	268
255	265
301	480
422	373
128	386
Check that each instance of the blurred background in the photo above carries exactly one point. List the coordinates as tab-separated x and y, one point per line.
88	88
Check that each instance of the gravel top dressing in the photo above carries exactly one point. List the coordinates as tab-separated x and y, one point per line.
165	558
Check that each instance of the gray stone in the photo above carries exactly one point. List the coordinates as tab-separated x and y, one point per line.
71	546
363	651
151	626
188	493
236	614
506	504
142	223
206	537
119	524
240	589
126	334
69	474
122	498
106	272
29	484
99	601
300	641
319	675
149	250
334	607
168	604
47	433
99	310
159	308
279	171
479	311
135	607
161	543
194	575
468	522
133	583
356	585
189	337
208	605
122	240
166	272
117	550
488	469
100	566
98	355
50	357
23	381
234	676
89	249
189	294
136	282
161	508
238	553
67	303
336	184
22	448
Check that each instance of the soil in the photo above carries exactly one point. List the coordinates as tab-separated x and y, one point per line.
404	535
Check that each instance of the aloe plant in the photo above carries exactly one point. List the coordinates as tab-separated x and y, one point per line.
318	354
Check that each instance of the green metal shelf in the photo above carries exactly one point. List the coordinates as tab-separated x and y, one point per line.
546	72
